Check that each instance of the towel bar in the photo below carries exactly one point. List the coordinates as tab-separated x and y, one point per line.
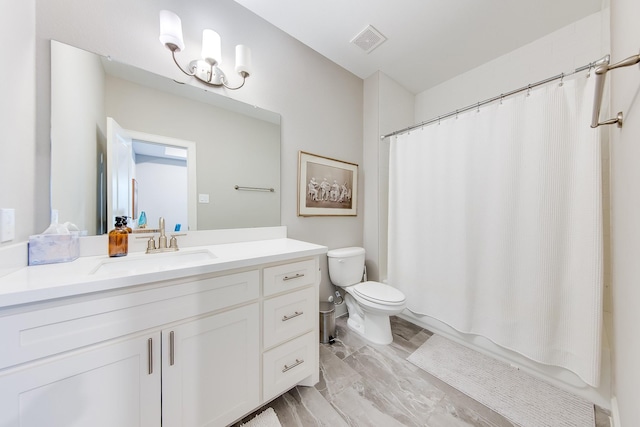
601	72
237	187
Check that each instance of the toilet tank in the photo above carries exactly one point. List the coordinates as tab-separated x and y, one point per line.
346	266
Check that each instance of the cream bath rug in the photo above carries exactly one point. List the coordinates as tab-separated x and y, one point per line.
266	418
521	398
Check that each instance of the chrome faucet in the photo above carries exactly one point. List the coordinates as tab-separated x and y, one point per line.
152	248
162	240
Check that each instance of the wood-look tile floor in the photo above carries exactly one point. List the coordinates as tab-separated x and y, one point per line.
368	385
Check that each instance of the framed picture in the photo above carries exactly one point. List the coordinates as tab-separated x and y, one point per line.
326	186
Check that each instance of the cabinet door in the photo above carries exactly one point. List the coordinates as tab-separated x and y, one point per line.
210	369
117	384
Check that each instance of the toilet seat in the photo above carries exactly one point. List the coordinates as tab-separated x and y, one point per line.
378	293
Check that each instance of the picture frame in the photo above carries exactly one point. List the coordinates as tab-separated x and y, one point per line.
326	186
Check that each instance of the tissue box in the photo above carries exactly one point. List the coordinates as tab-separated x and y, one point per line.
52	248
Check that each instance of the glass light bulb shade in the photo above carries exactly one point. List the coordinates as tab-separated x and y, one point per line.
243	59
171	30
211	47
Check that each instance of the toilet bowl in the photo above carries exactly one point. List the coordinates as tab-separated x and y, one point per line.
369	303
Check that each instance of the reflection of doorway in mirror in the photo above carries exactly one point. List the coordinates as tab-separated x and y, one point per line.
120	171
164	172
161	173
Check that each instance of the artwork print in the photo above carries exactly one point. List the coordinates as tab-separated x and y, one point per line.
326	186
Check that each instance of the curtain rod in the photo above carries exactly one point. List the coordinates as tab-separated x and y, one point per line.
604	60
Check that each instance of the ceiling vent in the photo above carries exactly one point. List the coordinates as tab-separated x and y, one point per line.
369	39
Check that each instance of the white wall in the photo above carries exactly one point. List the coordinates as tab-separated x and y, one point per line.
18	161
561	51
625	218
320	102
161	180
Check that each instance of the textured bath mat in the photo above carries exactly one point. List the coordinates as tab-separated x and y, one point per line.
266	418
524	400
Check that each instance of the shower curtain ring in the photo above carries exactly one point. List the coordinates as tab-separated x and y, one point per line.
528	90
501	98
589	69
478	109
456	114
561	79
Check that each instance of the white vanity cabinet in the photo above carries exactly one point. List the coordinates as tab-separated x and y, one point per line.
212	375
290	321
201	350
105	385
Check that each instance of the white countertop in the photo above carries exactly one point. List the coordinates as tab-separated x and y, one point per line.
44	282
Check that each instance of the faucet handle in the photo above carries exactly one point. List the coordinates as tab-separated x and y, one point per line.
151	244
173	242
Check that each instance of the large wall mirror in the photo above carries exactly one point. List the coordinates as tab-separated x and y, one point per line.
125	141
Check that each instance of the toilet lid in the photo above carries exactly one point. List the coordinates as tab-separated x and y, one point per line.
378	292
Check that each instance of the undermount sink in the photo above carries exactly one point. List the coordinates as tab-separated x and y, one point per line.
147	263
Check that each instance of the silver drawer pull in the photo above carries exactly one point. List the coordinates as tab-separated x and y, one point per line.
298	362
297	276
150	354
295	314
172	354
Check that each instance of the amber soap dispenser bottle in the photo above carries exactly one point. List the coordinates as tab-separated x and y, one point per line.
119	239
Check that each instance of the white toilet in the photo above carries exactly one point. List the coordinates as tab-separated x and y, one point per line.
369	303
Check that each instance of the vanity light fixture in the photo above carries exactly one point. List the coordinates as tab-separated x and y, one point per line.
207	69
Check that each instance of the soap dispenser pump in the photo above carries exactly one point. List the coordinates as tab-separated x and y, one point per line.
124	224
119	239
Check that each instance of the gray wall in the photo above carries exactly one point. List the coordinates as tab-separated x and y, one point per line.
388	107
625	204
77	121
320	102
232	149
322	110
19	159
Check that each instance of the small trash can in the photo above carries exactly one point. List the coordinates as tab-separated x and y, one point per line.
327	322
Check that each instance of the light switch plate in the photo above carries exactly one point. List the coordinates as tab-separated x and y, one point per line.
7	225
203	198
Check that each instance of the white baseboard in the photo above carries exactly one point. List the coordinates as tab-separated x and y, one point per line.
615	414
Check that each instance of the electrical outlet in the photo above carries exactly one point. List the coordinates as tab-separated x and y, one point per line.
203	198
7	225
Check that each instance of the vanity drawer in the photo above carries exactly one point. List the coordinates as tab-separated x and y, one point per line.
288	315
290	276
288	364
39	333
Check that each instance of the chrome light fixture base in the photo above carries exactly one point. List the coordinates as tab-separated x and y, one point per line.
207	73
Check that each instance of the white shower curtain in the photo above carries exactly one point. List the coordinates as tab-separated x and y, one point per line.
495	224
